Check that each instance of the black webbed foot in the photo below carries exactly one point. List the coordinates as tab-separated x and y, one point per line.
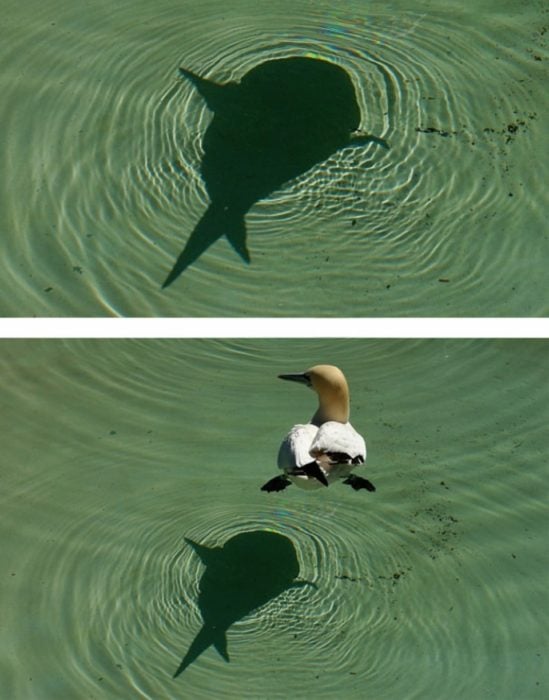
357	483
279	483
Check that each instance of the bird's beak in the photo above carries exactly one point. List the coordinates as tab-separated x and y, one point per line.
302	378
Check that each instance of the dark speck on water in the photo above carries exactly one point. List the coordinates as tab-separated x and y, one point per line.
432	130
344	577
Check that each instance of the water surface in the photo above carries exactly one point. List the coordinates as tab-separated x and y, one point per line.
131	482
103	148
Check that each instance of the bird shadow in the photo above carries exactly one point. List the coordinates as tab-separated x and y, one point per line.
248	571
284	117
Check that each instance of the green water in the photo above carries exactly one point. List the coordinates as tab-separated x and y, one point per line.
102	182
116	453
141	559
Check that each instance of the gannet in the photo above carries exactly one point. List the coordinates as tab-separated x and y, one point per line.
327	448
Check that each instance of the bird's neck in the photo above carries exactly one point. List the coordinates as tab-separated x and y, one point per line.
333	406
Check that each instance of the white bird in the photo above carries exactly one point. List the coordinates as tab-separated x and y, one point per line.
327	448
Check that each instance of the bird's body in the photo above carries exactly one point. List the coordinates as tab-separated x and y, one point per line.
336	447
328	448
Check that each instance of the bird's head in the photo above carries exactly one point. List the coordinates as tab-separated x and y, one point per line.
333	392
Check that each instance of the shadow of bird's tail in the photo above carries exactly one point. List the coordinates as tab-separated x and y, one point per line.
216	222
208	636
212	92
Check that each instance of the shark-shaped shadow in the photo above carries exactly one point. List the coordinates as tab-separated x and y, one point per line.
249	570
284	117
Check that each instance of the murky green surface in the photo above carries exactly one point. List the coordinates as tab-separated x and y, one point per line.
114	452
103	160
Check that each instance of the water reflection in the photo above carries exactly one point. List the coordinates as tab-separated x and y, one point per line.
284	117
250	570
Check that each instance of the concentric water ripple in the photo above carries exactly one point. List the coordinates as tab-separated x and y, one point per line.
104	150
139	599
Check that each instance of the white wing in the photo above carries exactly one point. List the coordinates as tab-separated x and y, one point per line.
339	438
294	451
